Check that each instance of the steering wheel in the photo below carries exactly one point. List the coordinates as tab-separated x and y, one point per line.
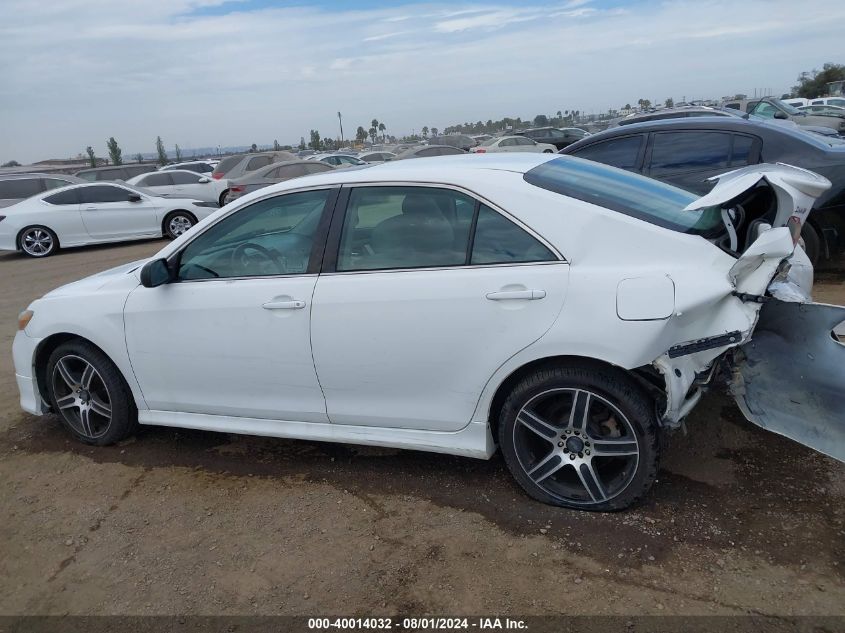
242	259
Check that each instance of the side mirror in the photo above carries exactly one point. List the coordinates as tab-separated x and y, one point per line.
781	115
155	273
134	197
204	180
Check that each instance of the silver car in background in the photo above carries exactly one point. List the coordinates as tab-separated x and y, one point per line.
270	175
17	187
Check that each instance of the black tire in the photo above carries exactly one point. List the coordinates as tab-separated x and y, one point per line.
548	151
559	460
812	242
38	241
176	223
222	199
105	387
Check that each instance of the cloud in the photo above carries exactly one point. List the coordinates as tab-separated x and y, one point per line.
205	72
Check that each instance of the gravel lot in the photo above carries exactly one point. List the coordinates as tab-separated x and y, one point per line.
182	522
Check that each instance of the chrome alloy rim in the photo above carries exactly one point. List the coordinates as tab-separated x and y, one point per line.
179	224
576	446
37	242
82	396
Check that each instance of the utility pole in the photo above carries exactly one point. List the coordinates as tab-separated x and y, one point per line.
340	120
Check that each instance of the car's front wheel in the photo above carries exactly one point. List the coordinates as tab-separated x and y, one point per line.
89	394
581	437
38	241
222	199
177	223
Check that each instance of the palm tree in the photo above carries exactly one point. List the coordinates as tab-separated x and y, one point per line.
434	131
425	131
361	134
373	132
382	127
374	124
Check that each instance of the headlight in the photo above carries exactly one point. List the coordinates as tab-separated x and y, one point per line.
24	318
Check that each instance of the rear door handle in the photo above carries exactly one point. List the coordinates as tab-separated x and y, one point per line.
293	304
525	295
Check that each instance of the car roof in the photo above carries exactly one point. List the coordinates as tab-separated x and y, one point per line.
36	174
436	169
726	123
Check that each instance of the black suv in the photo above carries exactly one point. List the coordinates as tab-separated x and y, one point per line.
686	152
558	137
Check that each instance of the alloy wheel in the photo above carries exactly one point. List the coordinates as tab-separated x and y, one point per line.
37	242
179	224
81	396
576	446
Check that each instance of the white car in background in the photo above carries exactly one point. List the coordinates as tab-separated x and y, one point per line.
182	183
95	213
570	312
512	144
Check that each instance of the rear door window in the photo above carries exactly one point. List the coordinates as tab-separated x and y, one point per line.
617	152
674	152
183	178
99	194
500	241
69	196
160	179
53	183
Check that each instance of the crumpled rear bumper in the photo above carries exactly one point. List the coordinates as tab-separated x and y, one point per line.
790	378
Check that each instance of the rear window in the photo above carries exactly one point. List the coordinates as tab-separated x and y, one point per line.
228	163
643	198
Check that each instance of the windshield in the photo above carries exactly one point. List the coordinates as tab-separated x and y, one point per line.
786	107
630	194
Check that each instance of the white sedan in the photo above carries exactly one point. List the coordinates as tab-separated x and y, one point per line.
570	312
512	144
183	183
95	213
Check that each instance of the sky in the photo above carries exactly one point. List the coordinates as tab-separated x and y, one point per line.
235	72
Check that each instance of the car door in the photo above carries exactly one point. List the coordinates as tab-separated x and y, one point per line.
687	159
62	215
508	145
408	322
160	182
109	213
186	184
231	336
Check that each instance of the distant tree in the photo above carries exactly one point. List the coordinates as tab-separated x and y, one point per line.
361	134
253	148
541	120
92	160
425	131
374	124
11	163
162	153
644	104
114	151
373	133
669	103
276	146
434	131
139	157
302	143
178	153
627	106
382	128
329	143
315	140
812	84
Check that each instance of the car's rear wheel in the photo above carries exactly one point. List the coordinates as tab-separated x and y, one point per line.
38	241
222	199
177	223
89	394
581	437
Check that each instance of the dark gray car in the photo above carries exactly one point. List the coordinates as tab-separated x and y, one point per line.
273	173
461	141
116	172
17	187
424	151
238	165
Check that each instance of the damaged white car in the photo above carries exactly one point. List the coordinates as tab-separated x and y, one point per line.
567	311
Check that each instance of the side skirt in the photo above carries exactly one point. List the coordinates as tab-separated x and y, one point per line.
474	440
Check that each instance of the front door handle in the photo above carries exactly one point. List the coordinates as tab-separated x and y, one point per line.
292	304
525	295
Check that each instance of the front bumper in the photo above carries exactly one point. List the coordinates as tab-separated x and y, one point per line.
23	354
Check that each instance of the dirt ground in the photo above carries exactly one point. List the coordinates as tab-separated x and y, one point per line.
180	522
